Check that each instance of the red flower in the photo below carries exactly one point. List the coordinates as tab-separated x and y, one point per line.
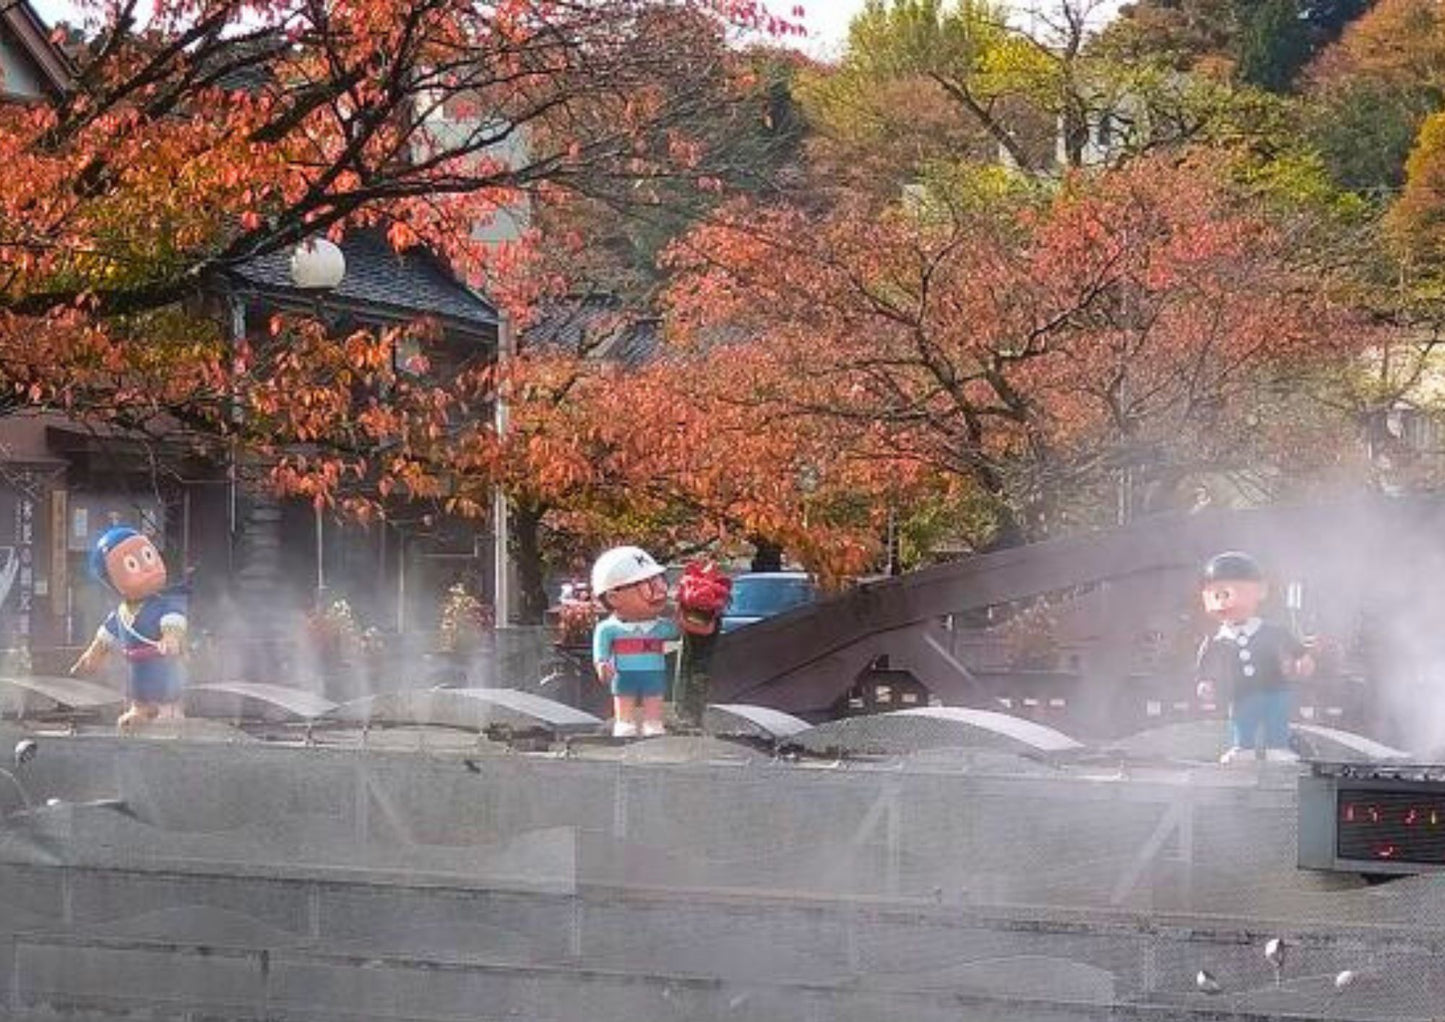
702	593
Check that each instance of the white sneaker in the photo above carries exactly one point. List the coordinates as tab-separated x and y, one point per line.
652	728
1231	755
624	729
1281	755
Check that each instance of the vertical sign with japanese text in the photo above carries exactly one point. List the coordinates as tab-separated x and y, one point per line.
17	556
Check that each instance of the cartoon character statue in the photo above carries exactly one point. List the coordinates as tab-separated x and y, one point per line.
1249	660
627	645
149	625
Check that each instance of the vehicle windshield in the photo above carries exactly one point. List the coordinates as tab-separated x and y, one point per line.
764	597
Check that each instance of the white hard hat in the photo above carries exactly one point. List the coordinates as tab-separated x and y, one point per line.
622	566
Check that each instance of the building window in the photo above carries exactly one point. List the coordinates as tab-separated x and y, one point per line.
1104	133
408	356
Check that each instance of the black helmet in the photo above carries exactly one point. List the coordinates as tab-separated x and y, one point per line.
1232	566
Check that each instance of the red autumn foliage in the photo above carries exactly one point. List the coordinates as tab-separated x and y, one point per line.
609	453
198	136
1031	352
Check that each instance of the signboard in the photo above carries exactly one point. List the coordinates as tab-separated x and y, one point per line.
20	513
1391	826
90	514
1372	818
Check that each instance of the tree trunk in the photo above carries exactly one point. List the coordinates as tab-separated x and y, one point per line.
767	556
527	549
1009	532
1075	129
694	678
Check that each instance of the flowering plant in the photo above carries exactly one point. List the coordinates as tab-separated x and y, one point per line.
575	621
464	619
333	623
702	593
336	631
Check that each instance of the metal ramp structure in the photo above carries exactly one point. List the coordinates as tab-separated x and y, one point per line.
905	732
1327	743
20	696
240	700
1203	741
757	722
804	662
472	709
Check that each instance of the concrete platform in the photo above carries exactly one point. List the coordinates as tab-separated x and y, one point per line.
188	878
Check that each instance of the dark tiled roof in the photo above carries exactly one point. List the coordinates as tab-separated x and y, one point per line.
251	61
598	326
19	20
638	343
383	283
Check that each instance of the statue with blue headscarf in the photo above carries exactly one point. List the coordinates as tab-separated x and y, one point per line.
149	625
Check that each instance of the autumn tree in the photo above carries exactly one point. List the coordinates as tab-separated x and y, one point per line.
202	137
1417	219
1370	92
197	139
1264	43
1133	326
600	452
598	259
1399	42
1010	90
744	136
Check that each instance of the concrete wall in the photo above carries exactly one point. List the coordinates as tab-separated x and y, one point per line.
251	947
255	881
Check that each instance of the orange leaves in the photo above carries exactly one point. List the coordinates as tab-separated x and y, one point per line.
374	111
1416	222
345	424
1025	351
1397	42
401	236
667	452
396	115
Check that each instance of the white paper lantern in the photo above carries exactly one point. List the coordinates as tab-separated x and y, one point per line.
317	264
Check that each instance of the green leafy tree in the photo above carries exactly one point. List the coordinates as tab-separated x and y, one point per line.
1185	35
1265	43
1364	130
926	85
1274	43
1009	90
1369	93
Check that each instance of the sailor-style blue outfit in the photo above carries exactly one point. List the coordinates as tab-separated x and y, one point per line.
154	677
136	626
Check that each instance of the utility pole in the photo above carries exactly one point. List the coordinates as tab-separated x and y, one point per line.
501	554
236	337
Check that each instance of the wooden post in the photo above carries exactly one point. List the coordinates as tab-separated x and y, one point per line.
59	551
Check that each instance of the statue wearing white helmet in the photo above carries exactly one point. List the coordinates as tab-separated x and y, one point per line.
622	566
628	646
